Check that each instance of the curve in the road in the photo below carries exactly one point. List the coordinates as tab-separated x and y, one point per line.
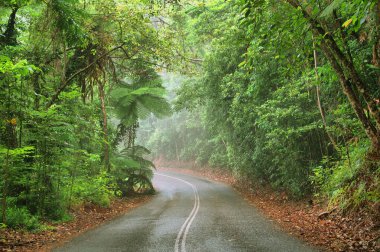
182	234
174	220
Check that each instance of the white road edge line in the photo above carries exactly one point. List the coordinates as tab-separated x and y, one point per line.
186	225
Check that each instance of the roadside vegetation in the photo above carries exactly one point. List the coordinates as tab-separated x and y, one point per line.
75	78
282	93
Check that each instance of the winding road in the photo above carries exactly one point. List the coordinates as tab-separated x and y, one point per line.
188	214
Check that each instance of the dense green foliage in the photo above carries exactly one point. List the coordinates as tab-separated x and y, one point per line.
75	78
284	92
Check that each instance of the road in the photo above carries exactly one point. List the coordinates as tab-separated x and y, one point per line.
188	214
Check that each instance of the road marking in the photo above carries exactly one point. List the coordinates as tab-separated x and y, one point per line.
181	237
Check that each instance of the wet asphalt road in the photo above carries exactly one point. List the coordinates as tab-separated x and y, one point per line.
188	214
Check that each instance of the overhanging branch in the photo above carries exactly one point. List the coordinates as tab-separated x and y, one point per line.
66	82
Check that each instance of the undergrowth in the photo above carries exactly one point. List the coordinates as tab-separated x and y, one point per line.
350	183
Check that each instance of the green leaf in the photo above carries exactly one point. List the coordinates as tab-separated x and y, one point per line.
330	8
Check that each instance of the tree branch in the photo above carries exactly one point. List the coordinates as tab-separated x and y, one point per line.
348	66
66	82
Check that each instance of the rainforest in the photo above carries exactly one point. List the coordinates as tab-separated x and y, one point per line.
95	94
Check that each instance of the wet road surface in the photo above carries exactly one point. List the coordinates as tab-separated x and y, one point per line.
188	214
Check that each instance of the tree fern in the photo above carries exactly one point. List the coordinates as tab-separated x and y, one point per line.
134	172
133	104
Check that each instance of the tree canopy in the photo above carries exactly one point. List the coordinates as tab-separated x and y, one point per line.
285	93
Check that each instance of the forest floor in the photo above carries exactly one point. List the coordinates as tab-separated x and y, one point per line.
307	220
85	217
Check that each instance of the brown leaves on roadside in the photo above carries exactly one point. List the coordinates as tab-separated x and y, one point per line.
86	217
328	230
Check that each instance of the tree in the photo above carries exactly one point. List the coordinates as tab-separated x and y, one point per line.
59	62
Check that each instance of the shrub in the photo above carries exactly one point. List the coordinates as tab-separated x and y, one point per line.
93	190
20	218
351	182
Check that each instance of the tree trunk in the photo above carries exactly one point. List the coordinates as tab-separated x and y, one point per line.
5	190
132	134
9	37
106	154
321	110
176	150
369	128
9	138
376	46
11	143
343	60
37	90
68	80
348	77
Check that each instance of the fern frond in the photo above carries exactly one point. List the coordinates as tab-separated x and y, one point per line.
132	105
330	8
136	150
